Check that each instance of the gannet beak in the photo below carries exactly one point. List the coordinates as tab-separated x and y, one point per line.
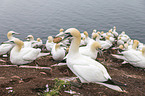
27	38
17	33
66	35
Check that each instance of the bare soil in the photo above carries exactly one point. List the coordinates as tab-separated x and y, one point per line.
30	82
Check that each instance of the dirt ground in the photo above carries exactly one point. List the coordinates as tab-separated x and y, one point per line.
30	82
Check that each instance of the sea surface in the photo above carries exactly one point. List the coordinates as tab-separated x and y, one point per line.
42	18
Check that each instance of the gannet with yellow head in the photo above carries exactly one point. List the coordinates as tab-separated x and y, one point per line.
49	43
5	48
87	69
20	55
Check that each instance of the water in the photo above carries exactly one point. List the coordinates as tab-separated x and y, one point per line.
42	18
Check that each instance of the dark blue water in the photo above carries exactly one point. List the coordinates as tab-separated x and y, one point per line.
42	18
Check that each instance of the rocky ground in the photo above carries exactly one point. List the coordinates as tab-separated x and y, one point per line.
16	81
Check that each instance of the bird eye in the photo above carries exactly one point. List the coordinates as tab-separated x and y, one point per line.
12	41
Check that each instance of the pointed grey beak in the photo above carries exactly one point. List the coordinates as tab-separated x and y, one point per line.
17	33
66	35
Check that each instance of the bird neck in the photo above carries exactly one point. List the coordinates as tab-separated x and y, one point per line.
134	46
17	48
57	47
10	37
143	53
74	47
93	49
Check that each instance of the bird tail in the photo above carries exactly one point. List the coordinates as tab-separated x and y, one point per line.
43	54
114	87
119	56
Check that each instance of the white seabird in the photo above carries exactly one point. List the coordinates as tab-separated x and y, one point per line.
87	69
5	48
20	55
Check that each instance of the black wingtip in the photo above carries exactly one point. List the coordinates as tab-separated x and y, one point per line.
113	82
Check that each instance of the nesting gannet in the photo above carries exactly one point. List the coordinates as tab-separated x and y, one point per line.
39	42
112	39
104	44
130	42
94	32
60	32
114	32
91	51
19	55
124	37
87	69
110	33
30	38
82	42
49	43
88	40
94	36
64	42
5	48
133	56
120	41
57	52
103	35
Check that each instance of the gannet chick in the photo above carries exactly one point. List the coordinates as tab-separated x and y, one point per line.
19	55
57	52
5	48
49	43
91	51
87	69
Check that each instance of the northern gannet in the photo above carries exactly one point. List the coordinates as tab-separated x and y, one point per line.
91	51
49	43
114	32
58	52
20	55
87	69
5	48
